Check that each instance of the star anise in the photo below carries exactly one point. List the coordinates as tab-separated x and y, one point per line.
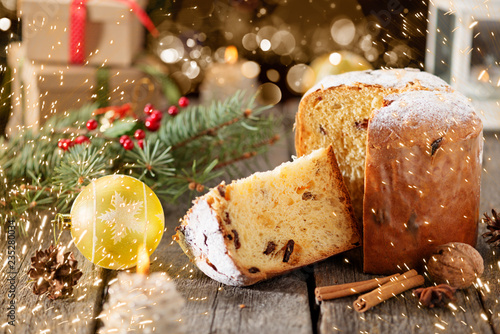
433	295
493	223
54	273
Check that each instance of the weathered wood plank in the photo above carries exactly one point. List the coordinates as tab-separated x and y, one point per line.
403	314
490	199
398	315
279	305
34	314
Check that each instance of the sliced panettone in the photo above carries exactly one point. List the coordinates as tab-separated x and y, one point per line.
272	222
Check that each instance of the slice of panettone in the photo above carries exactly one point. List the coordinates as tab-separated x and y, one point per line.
272	222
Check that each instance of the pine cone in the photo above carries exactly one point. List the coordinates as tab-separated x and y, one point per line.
494	227
54	273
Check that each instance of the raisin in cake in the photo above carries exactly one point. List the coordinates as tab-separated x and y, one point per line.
410	151
336	111
272	222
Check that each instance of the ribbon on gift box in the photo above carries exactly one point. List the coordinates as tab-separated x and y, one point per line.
78	19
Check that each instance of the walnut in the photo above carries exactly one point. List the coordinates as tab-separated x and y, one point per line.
456	264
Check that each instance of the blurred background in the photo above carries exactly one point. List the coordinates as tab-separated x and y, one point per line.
210	49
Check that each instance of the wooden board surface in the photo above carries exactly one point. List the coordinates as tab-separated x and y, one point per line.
476	308
37	314
216	308
280	305
490	199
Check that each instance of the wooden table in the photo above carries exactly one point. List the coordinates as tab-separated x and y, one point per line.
281	305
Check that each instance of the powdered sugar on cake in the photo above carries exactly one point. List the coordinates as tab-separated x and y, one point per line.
394	78
430	113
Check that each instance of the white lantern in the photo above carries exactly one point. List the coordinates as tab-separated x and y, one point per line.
463	49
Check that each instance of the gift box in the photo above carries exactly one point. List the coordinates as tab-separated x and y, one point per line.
40	91
113	34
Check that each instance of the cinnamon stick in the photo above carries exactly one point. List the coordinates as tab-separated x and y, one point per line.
349	289
406	275
400	284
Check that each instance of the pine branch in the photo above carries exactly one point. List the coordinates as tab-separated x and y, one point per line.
189	151
155	159
79	166
199	121
212	131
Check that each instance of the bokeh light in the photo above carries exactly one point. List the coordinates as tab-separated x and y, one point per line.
273	75
171	49
269	94
265	45
343	31
283	42
300	77
250	42
250	69
5	23
335	58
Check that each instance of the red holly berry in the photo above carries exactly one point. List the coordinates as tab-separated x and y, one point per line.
152	125
148	108
124	138
128	144
82	139
71	143
183	102
156	115
60	143
64	144
92	124
139	134
173	110
140	143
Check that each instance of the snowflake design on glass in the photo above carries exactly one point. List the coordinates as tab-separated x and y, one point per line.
123	217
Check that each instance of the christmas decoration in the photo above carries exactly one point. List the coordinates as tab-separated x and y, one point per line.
123	139
143	303
493	223
92	124
139	134
183	102
435	295
82	139
156	116
64	144
128	144
54	272
85	29
196	146
152	125
140	143
173	110
45	89
148	108
110	215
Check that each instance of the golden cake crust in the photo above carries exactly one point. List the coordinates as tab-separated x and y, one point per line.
422	179
410	152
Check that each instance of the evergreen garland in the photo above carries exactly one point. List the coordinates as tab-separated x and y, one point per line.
189	150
